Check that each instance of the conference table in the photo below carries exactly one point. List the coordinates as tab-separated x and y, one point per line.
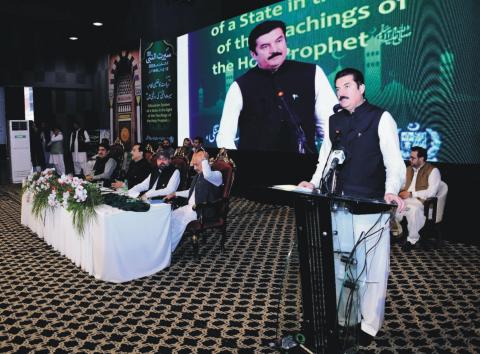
117	246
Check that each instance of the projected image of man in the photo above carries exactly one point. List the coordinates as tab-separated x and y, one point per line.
279	105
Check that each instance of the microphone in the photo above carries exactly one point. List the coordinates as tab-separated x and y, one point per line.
337	108
338	157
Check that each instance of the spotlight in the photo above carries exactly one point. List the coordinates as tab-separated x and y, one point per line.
73	38
97	24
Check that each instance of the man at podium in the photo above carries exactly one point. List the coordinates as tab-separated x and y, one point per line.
360	157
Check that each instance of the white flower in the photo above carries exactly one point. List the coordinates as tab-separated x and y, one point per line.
76	181
80	194
52	199
63	179
65	197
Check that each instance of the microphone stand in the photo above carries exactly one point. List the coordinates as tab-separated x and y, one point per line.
301	138
323	181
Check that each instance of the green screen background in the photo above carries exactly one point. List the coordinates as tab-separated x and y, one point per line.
420	59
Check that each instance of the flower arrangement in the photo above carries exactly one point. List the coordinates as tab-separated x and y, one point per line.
72	193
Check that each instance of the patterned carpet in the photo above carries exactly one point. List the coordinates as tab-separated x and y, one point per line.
224	303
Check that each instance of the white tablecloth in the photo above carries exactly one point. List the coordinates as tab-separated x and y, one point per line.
117	246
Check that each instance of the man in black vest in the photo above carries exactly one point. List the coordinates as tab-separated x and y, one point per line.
373	168
279	105
138	168
205	187
162	181
78	147
104	166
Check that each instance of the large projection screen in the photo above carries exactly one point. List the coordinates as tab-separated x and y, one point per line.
420	60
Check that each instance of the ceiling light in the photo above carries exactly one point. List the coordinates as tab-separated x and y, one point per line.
97	24
73	38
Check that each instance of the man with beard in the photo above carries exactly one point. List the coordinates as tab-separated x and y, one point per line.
373	168
279	105
138	169
422	182
104	166
166	146
162	181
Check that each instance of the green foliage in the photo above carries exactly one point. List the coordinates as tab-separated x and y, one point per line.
74	194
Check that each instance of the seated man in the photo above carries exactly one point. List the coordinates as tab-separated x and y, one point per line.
422	182
205	187
166	146
162	181
197	144
138	168
104	166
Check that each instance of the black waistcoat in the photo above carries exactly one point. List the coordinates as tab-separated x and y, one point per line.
204	192
161	178
99	166
82	145
363	173
264	123
138	171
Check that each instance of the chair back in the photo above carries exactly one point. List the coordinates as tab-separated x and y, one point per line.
441	199
228	175
226	165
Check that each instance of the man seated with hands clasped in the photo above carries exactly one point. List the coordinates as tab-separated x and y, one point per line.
104	167
160	182
138	168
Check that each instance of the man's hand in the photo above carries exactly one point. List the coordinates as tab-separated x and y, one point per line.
405	195
393	198
144	197
169	196
89	178
306	184
117	184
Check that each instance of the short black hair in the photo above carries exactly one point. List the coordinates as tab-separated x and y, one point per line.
162	153
421	152
357	75
141	147
199	138
264	28
106	146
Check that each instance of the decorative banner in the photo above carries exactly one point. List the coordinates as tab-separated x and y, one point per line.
124	95
159	91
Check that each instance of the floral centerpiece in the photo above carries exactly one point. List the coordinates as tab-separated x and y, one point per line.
49	190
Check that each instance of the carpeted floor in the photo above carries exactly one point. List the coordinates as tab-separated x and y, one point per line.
223	303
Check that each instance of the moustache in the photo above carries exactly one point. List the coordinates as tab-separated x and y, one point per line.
274	54
343	98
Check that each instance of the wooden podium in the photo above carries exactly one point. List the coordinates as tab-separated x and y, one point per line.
323	296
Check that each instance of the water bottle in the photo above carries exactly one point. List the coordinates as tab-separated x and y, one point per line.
125	186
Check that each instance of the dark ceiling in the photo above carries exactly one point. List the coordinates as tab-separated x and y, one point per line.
47	24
